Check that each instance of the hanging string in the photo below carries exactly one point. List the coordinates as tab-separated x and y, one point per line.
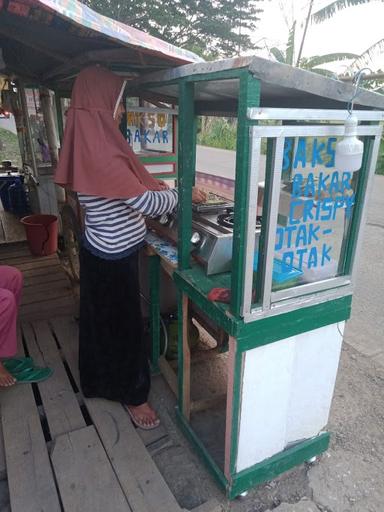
356	81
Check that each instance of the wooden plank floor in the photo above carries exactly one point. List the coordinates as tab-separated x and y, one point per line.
47	290
59	450
11	229
66	452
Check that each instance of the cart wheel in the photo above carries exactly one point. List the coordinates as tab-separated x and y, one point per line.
72	236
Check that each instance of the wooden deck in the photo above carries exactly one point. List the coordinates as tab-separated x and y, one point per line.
47	290
61	451
11	229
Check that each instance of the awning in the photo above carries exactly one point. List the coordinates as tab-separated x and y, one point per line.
51	40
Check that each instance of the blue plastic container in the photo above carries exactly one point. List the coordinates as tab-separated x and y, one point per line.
280	274
6	180
17	198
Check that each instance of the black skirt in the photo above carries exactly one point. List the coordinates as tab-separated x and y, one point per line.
112	355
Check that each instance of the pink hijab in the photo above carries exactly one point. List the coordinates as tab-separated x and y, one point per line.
95	159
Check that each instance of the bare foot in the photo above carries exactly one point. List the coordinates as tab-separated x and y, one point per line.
143	416
6	379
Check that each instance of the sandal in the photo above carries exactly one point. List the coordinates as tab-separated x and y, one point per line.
32	375
139	423
17	364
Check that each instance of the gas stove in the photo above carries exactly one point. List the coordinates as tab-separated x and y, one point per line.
212	233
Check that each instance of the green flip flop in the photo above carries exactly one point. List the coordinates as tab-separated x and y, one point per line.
31	375
17	364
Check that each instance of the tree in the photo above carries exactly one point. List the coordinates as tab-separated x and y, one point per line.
310	63
330	10
211	28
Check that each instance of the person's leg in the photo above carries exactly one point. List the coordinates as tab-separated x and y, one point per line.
11	279
112	357
8	338
141	412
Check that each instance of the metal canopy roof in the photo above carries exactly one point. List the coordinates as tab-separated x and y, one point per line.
282	86
49	41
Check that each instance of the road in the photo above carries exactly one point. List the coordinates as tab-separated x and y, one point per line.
8	124
220	162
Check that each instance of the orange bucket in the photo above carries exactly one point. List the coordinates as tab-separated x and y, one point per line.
41	232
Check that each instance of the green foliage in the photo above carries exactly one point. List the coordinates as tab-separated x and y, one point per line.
210	28
365	59
9	147
380	160
330	9
218	132
289	54
309	63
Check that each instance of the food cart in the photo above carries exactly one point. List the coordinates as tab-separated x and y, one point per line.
279	288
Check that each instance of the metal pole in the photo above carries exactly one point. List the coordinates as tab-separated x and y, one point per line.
305	33
24	107
50	127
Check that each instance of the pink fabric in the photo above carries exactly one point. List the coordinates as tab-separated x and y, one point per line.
95	159
11	282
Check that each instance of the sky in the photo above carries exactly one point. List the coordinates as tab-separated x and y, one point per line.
351	30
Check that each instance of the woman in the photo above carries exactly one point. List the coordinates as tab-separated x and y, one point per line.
116	192
11	282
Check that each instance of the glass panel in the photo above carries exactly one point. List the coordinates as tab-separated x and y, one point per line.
315	209
149	131
160	168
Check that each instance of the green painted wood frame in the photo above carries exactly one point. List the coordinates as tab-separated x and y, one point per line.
252	335
348	249
248	336
249	96
278	464
236	483
186	171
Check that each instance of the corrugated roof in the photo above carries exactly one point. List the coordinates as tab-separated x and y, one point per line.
50	40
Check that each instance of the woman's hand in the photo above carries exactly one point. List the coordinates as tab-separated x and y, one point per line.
198	195
163	185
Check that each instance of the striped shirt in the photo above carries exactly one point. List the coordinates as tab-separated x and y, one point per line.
114	228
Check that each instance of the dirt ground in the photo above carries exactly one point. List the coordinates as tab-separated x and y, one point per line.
347	478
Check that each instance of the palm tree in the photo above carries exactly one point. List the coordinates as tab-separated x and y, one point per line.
310	63
329	10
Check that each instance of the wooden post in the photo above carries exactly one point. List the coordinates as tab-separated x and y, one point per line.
29	140
49	121
52	136
59	116
184	356
187	151
230	405
249	96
